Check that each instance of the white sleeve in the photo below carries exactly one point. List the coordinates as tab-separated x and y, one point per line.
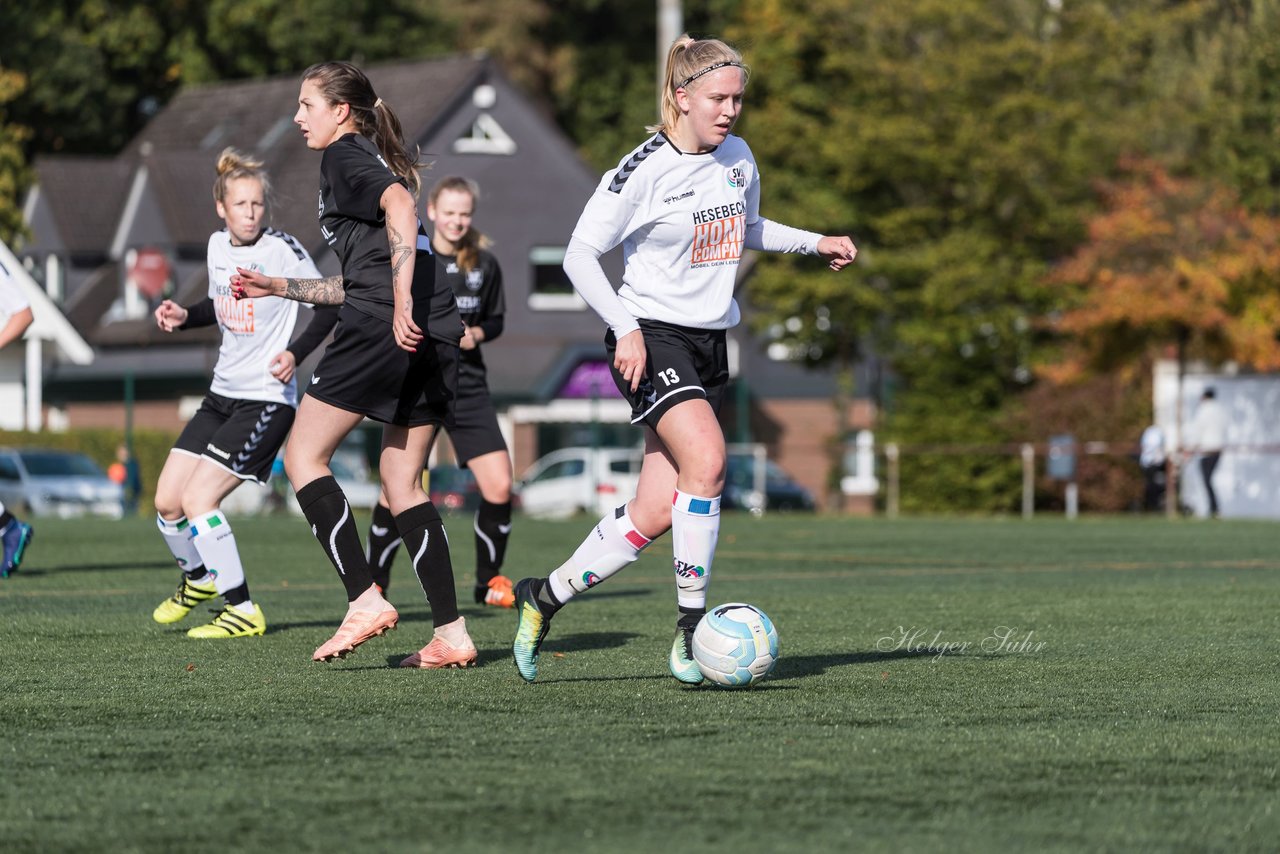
582	265
607	219
765	234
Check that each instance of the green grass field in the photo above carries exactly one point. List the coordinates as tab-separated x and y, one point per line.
1133	704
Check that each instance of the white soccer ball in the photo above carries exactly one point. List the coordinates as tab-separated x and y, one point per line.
735	645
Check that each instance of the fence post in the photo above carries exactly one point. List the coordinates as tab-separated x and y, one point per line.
891	467
1028	480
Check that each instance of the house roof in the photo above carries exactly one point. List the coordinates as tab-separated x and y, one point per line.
176	156
180	145
85	196
47	322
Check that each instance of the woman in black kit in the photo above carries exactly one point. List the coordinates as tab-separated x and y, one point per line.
404	376
474	277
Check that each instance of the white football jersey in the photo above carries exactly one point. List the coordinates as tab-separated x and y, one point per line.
681	219
254	331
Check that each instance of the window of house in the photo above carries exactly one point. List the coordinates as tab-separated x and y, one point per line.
552	290
485	136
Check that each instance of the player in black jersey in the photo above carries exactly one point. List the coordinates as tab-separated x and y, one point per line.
394	357
474	277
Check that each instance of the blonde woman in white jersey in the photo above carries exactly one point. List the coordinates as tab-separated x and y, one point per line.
683	205
246	415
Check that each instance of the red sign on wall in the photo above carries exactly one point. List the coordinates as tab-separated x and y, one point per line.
150	272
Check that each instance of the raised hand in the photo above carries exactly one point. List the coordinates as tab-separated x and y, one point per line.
169	315
839	252
250	283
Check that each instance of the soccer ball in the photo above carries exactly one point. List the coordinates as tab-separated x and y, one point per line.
735	645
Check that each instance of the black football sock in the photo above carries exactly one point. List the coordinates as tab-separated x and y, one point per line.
326	508
690	617
548	604
237	596
384	542
428	547
5	518
493	528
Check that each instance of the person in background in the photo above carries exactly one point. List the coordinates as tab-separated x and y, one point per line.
1151	459
1208	438
125	472
15	318
475	278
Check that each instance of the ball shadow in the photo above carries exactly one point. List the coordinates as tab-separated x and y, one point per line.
799	666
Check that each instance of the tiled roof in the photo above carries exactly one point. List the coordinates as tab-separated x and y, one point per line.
180	145
86	196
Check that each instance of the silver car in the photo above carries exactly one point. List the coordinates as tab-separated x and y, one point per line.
62	484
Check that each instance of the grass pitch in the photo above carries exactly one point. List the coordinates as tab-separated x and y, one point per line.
957	685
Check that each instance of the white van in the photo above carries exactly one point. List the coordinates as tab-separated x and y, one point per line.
580	480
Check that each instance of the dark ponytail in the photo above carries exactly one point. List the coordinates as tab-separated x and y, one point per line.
343	83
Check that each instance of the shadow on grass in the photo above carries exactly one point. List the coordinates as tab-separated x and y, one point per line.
798	666
95	567
406	617
502	655
613	594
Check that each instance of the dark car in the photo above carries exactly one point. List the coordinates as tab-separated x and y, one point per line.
453	489
757	484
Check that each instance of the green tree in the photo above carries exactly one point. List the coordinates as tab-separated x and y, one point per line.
13	168
957	140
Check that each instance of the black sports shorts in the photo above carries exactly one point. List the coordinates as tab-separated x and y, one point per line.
682	363
475	430
363	370
240	436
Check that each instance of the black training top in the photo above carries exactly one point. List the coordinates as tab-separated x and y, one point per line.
480	299
353	177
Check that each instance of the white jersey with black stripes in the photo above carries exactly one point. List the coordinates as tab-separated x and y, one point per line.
682	221
254	330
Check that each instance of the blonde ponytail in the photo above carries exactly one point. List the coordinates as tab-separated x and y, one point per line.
688	60
233	165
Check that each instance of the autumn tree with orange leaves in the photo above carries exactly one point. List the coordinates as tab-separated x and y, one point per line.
1170	263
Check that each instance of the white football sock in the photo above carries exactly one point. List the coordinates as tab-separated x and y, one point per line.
695	527
177	536
216	544
611	545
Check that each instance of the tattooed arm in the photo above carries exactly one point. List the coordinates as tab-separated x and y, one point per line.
250	283
401	211
327	291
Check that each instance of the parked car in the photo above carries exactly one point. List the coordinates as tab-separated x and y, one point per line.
758	484
65	484
579	480
350	467
453	489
